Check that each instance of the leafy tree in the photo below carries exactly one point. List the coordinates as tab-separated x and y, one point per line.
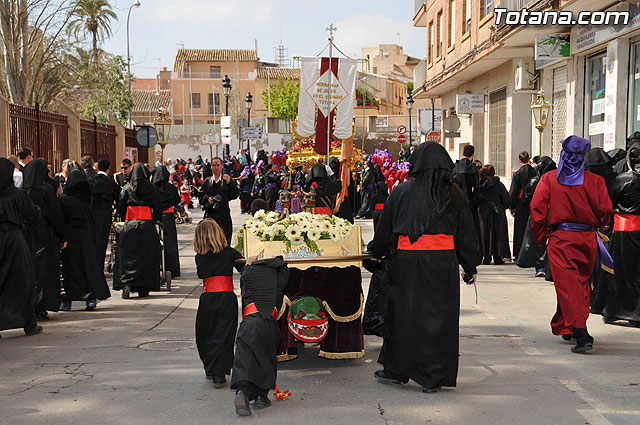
93	17
110	94
31	46
284	99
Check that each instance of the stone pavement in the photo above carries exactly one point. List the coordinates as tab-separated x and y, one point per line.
134	362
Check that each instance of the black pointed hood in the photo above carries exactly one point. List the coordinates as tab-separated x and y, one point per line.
6	175
34	174
77	185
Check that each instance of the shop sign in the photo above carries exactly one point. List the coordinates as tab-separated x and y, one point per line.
584	37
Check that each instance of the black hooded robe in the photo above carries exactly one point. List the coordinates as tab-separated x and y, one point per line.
491	200
367	191
45	235
272	186
104	192
17	280
255	366
138	266
169	197
618	296
421	323
246	187
520	205
81	278
530	254
217	315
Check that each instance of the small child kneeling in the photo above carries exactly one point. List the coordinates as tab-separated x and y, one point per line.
255	364
217	317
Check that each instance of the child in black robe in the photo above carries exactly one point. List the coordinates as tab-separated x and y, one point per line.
217	316
255	365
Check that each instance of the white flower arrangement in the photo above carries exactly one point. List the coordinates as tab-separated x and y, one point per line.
296	229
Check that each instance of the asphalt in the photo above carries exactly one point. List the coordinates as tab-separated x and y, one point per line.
135	362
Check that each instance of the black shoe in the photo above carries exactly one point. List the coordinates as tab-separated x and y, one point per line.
91	305
430	390
390	378
126	292
42	315
208	376
608	320
32	330
143	293
261	402
241	402
567	337
635	323
218	381
486	261
498	261
584	341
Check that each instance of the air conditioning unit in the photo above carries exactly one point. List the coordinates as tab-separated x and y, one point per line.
524	71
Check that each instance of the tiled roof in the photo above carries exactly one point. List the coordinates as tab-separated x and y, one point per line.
212	55
286	73
148	100
75	98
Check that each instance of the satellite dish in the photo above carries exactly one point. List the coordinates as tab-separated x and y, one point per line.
146	136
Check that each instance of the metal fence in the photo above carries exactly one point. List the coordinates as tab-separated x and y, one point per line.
44	132
98	140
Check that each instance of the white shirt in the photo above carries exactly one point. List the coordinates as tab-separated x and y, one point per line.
103	173
17	177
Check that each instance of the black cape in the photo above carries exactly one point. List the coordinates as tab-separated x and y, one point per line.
258	336
491	200
617	296
169	197
81	277
17	280
421	322
104	192
367	191
466	177
45	235
519	204
138	253
271	193
217	316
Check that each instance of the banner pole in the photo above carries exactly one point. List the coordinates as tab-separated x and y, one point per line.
331	29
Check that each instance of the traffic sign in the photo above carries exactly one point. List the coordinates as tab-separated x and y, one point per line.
433	136
251	132
225	121
402	138
401	129
210	139
225	132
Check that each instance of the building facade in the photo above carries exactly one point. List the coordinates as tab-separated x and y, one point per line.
592	90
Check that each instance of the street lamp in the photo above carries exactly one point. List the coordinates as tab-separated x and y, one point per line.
226	90
540	110
410	108
162	125
248	100
136	3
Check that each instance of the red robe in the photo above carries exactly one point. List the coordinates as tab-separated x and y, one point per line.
572	255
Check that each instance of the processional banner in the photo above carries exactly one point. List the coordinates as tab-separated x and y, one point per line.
331	90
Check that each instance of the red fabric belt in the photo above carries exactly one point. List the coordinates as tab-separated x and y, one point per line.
251	308
168	211
138	213
217	284
626	223
379	207
426	243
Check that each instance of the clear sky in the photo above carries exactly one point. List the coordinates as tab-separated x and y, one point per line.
159	27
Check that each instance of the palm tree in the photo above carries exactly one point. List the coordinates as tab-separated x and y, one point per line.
93	16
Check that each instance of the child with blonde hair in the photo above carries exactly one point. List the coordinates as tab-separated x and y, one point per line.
217	316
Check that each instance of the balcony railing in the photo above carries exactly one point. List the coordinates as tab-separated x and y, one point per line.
418	5
514	4
186	75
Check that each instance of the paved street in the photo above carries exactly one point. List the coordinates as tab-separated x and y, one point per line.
134	362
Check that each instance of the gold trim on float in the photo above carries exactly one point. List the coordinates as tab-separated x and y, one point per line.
347	355
344	319
286	357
